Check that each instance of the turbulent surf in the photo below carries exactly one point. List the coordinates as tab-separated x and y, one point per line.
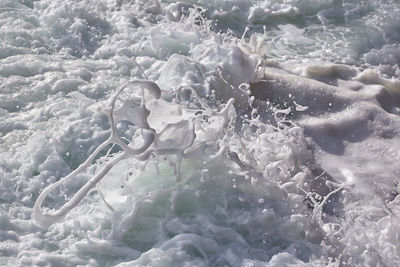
199	133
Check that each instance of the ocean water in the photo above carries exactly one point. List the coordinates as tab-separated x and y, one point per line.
199	133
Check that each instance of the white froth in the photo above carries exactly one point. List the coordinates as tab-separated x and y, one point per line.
199	133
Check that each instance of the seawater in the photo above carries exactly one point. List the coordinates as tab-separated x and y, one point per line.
270	133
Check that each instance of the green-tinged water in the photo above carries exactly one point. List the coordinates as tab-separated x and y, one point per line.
251	133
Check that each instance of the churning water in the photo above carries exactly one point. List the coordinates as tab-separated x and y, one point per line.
199	133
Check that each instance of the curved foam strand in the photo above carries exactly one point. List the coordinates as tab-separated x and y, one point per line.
138	119
173	139
131	110
147	134
151	86
46	220
43	32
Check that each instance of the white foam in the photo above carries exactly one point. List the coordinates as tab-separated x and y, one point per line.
301	169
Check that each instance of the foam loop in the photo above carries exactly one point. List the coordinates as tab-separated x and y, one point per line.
178	137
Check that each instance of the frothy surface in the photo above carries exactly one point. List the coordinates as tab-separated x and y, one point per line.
301	170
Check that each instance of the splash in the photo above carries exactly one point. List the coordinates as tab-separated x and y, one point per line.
165	128
300	169
263	161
